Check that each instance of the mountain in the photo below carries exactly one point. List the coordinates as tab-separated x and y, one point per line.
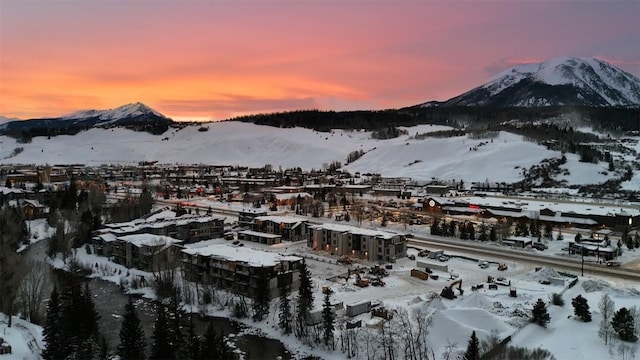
4	119
137	111
135	116
555	82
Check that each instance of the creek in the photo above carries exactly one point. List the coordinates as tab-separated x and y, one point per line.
110	301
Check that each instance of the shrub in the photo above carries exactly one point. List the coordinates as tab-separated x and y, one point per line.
556	299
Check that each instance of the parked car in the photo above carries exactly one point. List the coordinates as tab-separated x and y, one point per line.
613	263
539	246
443	258
483	264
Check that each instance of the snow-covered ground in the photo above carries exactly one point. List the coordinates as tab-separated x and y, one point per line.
25	338
485	311
253	145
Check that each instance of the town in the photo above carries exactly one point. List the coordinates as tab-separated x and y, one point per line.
248	233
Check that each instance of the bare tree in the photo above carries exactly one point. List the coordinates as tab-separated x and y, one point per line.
32	291
357	208
607	308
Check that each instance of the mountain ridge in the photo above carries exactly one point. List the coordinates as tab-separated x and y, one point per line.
554	82
136	116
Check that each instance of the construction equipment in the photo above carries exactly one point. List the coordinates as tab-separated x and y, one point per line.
378	271
502	267
448	293
360	281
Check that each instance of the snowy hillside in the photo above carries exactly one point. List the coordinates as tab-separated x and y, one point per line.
559	81
234	143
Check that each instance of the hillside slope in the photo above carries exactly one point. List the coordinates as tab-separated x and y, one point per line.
501	159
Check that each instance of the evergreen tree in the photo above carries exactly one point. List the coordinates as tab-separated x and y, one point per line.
160	346
464	235
285	318
535	229
548	231
145	201
79	321
175	316
191	345
262	299
86	349
493	234
214	346
435	227
471	231
70	196
473	348
581	308
525	230
12	233
452	228
623	324
88	313
132	343
305	299
539	314
52	335
328	318
482	232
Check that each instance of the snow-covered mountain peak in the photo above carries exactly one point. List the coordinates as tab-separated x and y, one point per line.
124	111
4	119
557	81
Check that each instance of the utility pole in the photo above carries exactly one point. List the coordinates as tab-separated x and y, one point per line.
582	252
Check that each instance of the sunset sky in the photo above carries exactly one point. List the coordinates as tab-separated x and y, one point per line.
212	60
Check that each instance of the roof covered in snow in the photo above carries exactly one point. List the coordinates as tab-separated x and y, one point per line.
354	230
255	258
281	219
140	240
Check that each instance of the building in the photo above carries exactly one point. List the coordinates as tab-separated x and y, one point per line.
239	269
602	249
372	245
290	228
246	216
145	252
259	237
188	228
557	213
31	209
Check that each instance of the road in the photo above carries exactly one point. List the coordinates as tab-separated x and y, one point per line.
500	252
